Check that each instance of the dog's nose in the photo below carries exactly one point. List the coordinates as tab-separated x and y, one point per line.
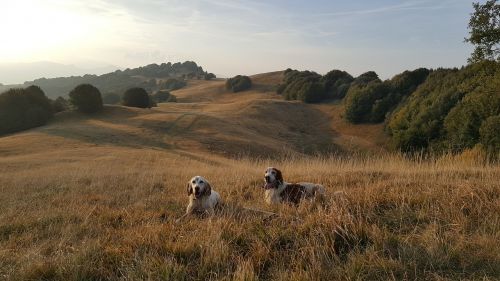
196	189
267	178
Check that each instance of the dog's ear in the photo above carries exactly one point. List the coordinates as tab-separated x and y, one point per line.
189	189
279	176
208	189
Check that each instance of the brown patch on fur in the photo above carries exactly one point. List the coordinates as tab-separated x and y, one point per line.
189	189
279	175
293	193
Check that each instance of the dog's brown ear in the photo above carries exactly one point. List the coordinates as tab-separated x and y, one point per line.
189	189
279	176
208	189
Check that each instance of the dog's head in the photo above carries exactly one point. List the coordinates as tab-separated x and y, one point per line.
272	178
198	187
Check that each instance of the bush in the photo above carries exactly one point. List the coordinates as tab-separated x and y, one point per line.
86	98
60	104
111	98
21	109
172	84
209	76
336	84
162	96
136	97
302	85
239	83
490	135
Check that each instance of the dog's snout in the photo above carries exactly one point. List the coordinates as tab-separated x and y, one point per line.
267	178
196	189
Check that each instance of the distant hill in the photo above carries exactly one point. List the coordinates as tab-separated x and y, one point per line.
148	77
18	73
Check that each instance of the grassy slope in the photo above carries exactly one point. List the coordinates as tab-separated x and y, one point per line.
96	198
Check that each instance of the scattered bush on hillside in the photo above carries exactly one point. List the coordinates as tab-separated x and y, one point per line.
137	97
163	96
86	98
60	104
172	84
209	76
111	98
22	109
302	85
238	83
447	110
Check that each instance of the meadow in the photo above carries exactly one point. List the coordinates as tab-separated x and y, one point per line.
96	197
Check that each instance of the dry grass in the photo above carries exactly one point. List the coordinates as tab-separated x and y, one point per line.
108	214
96	198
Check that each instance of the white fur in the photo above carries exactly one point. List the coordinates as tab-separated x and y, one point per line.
272	196
204	203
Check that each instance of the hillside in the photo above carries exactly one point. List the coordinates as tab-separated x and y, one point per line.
149	77
96	197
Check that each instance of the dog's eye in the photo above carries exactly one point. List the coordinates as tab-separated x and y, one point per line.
273	173
193	182
201	181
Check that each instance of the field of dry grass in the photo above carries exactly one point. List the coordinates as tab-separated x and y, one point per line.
96	198
108	214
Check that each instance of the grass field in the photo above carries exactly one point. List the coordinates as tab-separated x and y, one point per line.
96	198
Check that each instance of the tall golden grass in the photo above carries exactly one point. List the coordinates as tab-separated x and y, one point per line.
106	213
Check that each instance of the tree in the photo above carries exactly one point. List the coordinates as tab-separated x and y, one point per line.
59	105
21	109
136	97
86	98
238	83
484	26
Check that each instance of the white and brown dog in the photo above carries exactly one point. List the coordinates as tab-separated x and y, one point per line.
277	190
202	199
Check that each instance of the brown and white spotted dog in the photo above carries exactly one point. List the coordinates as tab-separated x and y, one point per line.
277	190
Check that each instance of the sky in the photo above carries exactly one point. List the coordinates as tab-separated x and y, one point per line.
229	37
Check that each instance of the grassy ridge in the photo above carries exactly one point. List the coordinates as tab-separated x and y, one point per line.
101	213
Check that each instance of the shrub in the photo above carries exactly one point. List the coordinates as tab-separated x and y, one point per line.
136	97
238	83
209	76
86	98
111	98
336	84
21	109
302	85
60	104
162	96
490	135
172	84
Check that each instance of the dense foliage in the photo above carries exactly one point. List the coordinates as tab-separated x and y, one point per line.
209	76
86	98
60	104
370	100
311	87
448	110
163	96
137	97
484	26
21	109
238	83
172	84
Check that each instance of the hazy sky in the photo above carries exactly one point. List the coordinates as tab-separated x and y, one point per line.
230	37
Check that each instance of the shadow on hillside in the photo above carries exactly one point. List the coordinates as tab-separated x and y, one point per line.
109	127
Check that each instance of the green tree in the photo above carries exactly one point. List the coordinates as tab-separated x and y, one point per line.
484	26
86	98
238	83
136	97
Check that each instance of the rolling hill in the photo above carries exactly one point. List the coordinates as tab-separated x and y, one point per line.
96	197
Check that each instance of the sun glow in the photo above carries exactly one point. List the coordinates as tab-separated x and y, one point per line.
30	29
